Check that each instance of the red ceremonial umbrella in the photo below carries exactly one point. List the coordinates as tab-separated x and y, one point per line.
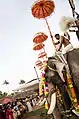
40	37
38	63
6	100
42	54
38	46
42	9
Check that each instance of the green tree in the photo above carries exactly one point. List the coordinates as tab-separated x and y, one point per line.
12	94
2	95
21	81
6	82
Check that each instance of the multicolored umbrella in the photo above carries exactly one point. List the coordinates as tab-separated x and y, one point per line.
38	46
42	9
6	100
40	37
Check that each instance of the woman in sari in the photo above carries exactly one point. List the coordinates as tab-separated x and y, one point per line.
9	113
0	111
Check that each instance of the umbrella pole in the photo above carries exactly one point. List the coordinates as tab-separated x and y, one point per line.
50	32
72	5
36	73
45	52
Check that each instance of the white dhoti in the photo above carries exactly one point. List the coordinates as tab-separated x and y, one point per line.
67	49
62	58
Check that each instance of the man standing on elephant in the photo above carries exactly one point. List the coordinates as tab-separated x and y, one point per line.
65	41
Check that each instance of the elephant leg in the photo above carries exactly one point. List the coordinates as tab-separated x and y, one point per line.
65	96
56	113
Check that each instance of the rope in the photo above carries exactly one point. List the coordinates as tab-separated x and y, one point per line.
72	5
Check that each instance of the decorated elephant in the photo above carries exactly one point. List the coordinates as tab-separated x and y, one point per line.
54	111
53	76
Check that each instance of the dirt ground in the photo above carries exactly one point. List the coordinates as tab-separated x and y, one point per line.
33	117
41	114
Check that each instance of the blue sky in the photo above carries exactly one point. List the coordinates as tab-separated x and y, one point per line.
17	28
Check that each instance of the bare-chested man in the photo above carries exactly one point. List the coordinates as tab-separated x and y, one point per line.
63	40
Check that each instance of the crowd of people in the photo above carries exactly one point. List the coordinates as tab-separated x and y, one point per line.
16	109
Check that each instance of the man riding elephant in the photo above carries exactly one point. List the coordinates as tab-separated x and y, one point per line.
71	56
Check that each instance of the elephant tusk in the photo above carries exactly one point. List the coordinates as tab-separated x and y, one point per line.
75	112
52	104
42	102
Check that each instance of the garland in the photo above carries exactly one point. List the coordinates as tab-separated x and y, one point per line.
43	89
72	93
43	86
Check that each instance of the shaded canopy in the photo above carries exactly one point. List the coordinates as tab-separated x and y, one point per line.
42	8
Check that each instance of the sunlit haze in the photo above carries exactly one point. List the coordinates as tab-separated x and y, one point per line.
17	28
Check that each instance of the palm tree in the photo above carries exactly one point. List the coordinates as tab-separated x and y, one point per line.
6	83
5	94
1	94
21	81
12	94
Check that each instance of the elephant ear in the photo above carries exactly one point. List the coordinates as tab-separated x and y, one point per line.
51	62
57	65
60	67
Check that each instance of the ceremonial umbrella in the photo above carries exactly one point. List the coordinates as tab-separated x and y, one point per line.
42	54
6	100
42	9
38	46
40	37
38	63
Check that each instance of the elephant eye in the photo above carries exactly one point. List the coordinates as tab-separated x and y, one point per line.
53	66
